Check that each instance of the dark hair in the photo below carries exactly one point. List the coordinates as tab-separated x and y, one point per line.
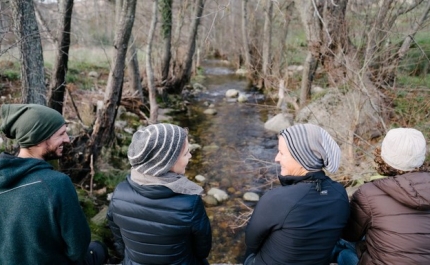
386	170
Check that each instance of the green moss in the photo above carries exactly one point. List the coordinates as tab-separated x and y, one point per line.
11	74
111	178
87	203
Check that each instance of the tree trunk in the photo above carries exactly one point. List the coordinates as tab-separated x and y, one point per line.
58	79
133	70
404	48
30	47
42	23
103	130
132	60
153	115
267	38
166	16
185	75
309	69
289	9
246	50
2	27
358	107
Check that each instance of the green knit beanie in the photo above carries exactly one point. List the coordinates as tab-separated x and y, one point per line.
30	124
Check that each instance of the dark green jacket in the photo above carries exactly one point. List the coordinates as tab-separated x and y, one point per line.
41	221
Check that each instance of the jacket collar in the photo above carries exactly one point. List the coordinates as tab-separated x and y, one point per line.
309	177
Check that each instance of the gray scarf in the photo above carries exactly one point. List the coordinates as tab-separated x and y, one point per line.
176	182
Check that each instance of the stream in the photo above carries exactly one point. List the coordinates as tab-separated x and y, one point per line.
237	154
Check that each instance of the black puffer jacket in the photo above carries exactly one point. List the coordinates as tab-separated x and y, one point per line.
154	225
298	223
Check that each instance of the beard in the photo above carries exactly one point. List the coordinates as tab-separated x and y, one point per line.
51	154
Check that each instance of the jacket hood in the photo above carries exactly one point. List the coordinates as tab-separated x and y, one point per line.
410	189
151	191
13	169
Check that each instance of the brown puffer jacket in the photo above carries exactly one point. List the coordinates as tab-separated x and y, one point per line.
394	216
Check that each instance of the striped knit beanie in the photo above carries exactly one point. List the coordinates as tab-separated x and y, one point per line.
155	149
312	147
404	149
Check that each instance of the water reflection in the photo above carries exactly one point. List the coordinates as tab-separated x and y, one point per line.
237	154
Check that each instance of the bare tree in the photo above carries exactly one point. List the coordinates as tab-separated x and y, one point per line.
185	75
30	47
132	60
103	129
312	26
246	50
149	71
166	32
58	79
45	30
393	63
267	37
134	70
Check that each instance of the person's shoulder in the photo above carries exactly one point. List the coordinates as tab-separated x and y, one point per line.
281	192
52	175
369	189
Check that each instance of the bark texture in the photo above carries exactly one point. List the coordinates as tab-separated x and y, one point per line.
30	47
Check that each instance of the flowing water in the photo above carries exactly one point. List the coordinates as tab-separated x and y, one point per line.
237	154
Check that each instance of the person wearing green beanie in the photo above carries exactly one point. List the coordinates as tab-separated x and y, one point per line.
42	221
30	124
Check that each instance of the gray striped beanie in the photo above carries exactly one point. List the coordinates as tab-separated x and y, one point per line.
312	147
155	149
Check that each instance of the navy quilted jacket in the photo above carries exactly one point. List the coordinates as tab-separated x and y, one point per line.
154	225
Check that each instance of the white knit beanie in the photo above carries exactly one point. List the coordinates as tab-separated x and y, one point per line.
404	149
155	149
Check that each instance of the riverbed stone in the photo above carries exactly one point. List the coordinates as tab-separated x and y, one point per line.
225	182
251	197
210	111
210	200
231	190
241	71
242	98
200	178
211	147
231	100
194	147
199	86
231	93
279	122
219	194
